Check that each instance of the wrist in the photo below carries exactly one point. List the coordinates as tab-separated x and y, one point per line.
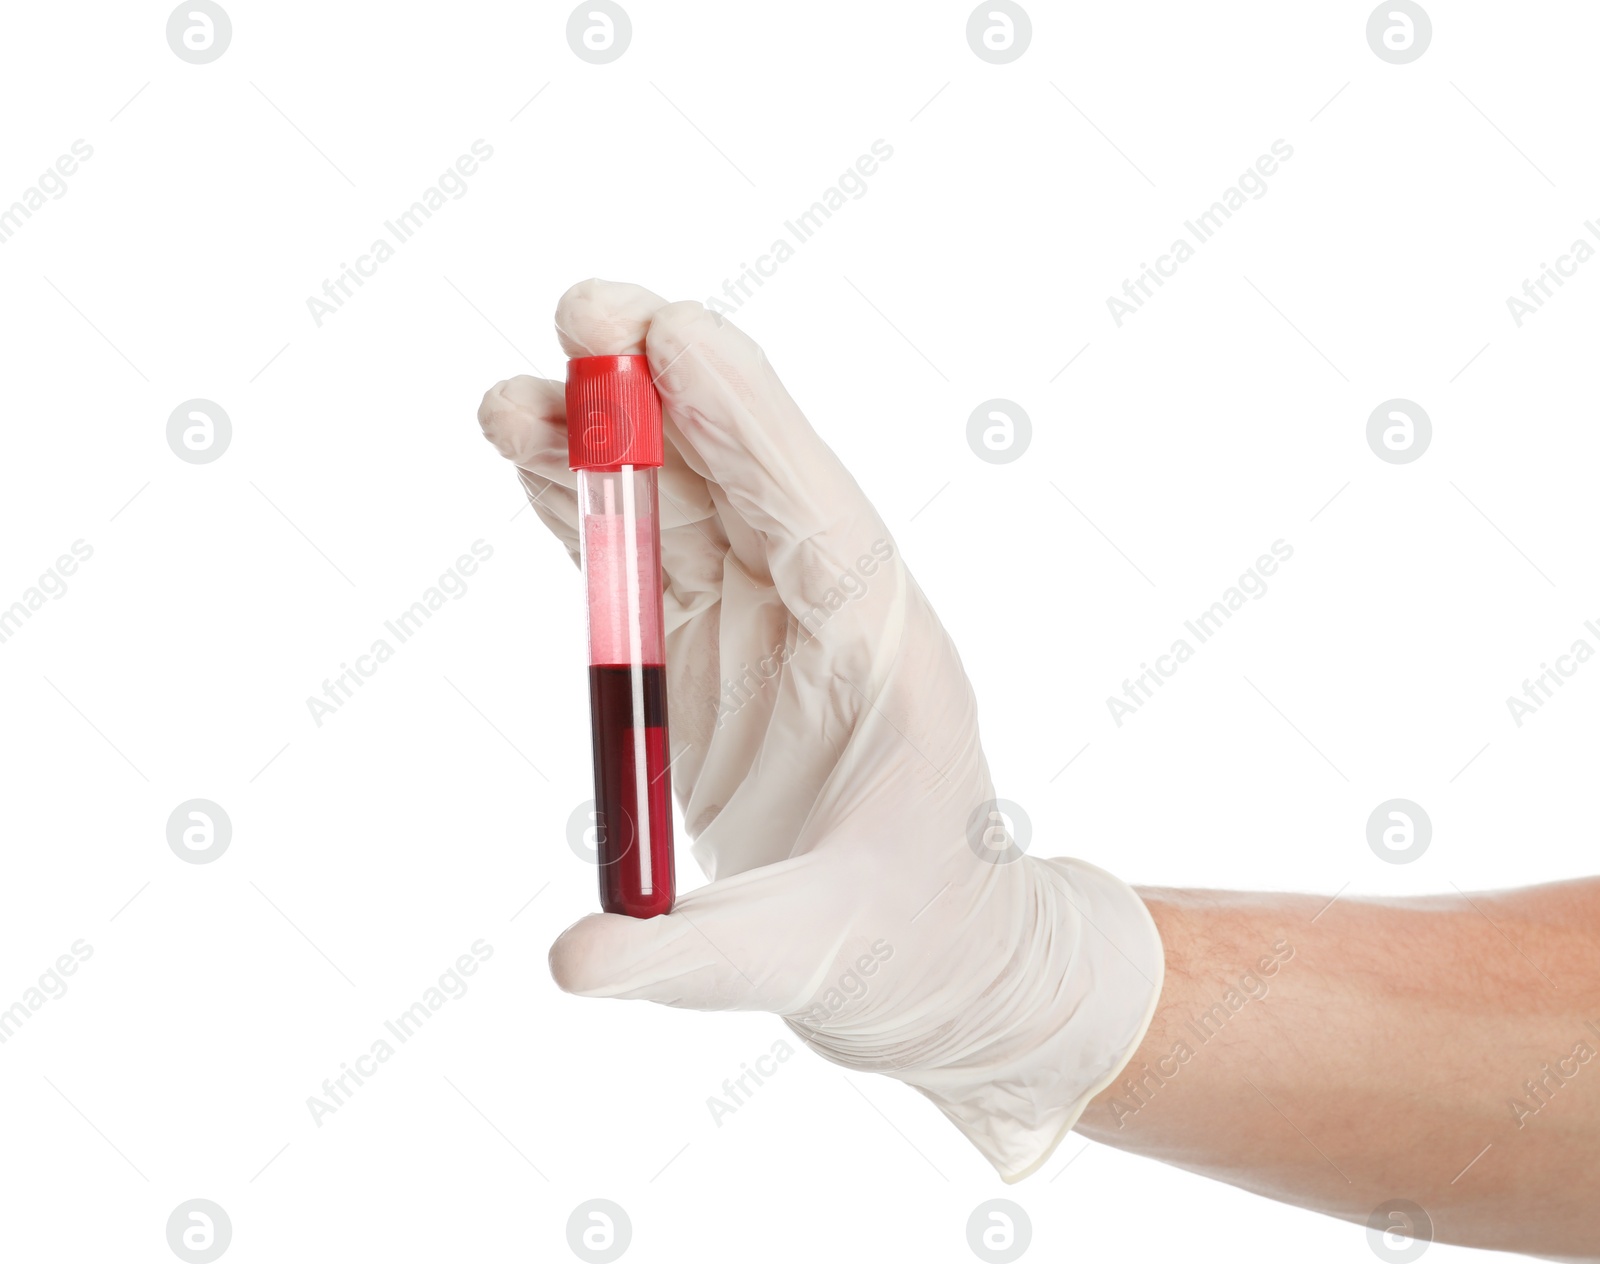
1063	1018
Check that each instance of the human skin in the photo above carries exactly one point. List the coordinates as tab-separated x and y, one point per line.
1380	1058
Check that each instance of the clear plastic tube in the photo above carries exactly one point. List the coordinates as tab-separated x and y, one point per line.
620	539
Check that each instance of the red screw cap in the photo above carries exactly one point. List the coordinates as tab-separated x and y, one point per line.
613	413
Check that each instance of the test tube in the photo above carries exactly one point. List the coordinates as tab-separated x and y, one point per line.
614	443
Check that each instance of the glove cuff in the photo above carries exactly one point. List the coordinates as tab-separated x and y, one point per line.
1081	997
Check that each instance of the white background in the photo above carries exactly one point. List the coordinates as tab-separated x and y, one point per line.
369	852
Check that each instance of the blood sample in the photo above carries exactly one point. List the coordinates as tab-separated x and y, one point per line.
614	443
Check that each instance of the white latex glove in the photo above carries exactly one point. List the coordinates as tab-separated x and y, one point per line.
833	781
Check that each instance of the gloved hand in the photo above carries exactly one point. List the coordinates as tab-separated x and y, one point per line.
863	885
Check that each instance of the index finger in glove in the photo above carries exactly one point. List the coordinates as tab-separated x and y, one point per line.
821	533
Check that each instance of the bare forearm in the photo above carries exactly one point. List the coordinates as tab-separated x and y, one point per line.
1341	1056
